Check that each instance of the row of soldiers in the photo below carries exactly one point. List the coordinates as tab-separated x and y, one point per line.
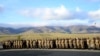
68	43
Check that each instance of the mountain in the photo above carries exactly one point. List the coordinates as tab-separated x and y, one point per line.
51	29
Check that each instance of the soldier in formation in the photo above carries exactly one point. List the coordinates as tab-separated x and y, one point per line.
62	43
92	43
88	43
66	43
74	43
34	44
40	43
97	43
51	44
70	43
80	43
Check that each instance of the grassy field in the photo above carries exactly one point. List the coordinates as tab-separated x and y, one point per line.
46	36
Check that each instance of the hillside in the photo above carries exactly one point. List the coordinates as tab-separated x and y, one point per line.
51	29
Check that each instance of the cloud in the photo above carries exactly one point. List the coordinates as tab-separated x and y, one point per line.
59	13
48	13
50	23
23	24
94	14
78	9
1	8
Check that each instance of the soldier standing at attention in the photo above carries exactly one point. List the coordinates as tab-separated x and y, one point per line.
70	43
82	43
92	43
56	43
21	43
45	43
66	43
39	43
31	43
48	43
97	41
6	44
42	43
16	44
88	43
62	43
74	43
51	43
59	43
27	43
34	43
77	42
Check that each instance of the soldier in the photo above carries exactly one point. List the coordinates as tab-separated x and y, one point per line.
51	43
48	43
20	44
27	43
6	44
77	42
39	43
85	43
45	43
74	43
14	44
57	45
82	43
42	43
11	43
31	43
23	43
66	43
62	43
88	43
97	43
70	43
92	43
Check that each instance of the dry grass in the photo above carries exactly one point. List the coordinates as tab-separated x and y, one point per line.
46	36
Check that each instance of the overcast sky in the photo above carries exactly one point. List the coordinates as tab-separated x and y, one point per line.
50	12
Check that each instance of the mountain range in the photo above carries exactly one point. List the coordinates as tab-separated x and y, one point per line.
51	29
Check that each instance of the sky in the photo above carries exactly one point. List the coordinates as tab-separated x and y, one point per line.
50	12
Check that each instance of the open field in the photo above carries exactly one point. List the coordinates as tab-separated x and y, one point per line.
46	36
